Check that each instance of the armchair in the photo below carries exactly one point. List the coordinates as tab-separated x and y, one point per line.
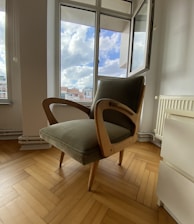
112	125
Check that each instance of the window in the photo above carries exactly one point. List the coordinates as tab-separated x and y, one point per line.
95	42
77	53
113	45
141	35
3	73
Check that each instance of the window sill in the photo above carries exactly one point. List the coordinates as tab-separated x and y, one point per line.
5	102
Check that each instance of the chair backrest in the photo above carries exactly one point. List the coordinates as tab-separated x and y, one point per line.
125	90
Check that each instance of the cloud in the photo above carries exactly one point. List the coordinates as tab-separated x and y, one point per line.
109	40
76	47
77	76
111	68
77	55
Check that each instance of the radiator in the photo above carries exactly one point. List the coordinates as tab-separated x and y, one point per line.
180	103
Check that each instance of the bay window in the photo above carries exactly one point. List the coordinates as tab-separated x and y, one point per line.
99	39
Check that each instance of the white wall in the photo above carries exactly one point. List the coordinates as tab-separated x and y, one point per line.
33	63
152	77
176	67
171	70
172	66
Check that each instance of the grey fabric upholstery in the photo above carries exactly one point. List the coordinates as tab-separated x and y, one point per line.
78	138
124	90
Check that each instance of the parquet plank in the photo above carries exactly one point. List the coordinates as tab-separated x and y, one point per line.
4	157
128	208
48	162
30	215
69	199
34	190
16	214
96	214
80	209
45	193
113	217
142	189
74	178
134	173
5	216
140	173
7	192
29	199
127	159
149	192
38	195
117	184
115	170
13	168
48	179
7	195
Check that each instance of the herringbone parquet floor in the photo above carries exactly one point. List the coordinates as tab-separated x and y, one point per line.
33	190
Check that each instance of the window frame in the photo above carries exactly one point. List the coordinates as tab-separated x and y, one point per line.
8	26
98	10
146	64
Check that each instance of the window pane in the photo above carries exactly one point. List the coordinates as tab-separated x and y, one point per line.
140	38
117	5
113	46
77	54
3	74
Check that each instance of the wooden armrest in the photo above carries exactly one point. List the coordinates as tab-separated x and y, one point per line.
107	147
105	104
115	105
53	100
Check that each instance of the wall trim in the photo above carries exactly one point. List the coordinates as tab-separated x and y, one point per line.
149	137
32	143
36	143
9	134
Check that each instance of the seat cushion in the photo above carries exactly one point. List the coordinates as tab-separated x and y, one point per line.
78	138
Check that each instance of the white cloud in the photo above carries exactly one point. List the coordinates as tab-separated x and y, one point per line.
109	42
76	48
77	76
85	81
77	55
111	68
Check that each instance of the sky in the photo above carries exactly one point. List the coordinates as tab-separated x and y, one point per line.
77	55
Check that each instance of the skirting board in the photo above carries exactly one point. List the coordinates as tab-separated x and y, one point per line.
10	134
148	137
32	143
36	143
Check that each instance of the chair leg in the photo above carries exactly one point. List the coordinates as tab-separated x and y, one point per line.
61	159
93	169
120	157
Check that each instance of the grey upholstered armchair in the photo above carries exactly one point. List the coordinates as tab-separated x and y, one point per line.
113	124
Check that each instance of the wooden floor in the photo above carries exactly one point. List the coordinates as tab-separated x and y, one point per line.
33	190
